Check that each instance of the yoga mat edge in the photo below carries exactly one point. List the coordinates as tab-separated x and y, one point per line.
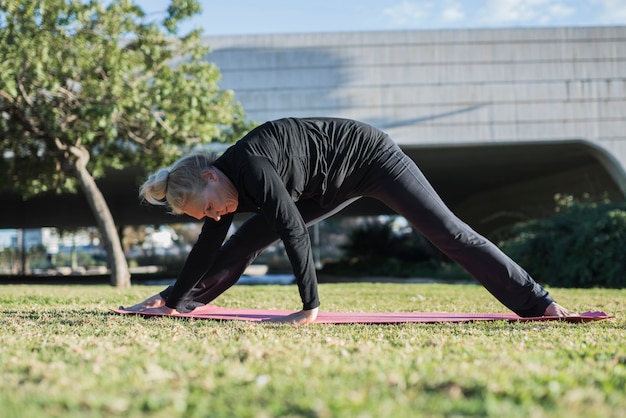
212	312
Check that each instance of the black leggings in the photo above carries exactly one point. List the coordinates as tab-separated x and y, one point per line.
397	181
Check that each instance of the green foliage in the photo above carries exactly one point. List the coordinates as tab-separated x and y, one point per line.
378	240
376	249
64	355
582	245
105	79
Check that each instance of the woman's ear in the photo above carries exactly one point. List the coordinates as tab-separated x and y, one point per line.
209	175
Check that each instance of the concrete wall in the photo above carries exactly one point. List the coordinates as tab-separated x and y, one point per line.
441	87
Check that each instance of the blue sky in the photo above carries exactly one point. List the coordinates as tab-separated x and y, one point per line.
242	17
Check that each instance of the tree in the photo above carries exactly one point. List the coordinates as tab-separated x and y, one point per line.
84	86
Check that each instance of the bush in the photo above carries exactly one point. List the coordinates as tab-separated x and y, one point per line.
582	245
378	240
375	249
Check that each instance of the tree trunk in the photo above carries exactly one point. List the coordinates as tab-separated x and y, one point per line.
120	276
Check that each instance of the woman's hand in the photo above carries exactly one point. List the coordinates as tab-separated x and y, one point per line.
155	301
302	317
554	309
161	310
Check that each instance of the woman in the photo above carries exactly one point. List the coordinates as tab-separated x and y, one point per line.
293	173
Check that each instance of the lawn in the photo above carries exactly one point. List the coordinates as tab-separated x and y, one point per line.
65	355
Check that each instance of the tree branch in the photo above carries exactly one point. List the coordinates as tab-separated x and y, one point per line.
161	122
20	86
68	94
7	96
81	154
136	138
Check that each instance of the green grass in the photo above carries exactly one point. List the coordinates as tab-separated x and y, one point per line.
64	355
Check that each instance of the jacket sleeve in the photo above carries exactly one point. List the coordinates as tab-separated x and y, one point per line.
279	209
199	261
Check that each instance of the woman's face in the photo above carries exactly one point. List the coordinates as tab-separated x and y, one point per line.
218	198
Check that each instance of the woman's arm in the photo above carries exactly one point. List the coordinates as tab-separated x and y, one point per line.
280	211
199	261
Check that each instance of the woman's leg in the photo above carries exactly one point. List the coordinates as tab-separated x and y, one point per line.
242	248
399	183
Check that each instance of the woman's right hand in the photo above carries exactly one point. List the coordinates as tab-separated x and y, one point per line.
155	301
554	309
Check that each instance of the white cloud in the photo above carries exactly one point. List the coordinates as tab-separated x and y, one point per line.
525	11
407	12
560	10
507	11
612	11
452	12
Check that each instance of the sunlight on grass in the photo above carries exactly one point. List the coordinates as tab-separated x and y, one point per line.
65	355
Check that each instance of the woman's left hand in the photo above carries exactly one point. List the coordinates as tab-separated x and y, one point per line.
161	310
302	317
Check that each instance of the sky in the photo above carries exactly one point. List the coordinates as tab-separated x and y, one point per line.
245	17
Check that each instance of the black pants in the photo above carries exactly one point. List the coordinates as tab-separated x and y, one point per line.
397	181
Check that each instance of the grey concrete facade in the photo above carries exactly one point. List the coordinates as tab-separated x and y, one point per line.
433	87
452	98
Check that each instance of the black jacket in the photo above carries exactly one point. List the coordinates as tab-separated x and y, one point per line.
274	166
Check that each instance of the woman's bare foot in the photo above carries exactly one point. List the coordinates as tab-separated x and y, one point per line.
301	317
155	301
554	309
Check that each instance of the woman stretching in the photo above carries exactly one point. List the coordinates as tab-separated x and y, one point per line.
292	173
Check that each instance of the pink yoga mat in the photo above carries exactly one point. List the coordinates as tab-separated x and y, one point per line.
240	314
